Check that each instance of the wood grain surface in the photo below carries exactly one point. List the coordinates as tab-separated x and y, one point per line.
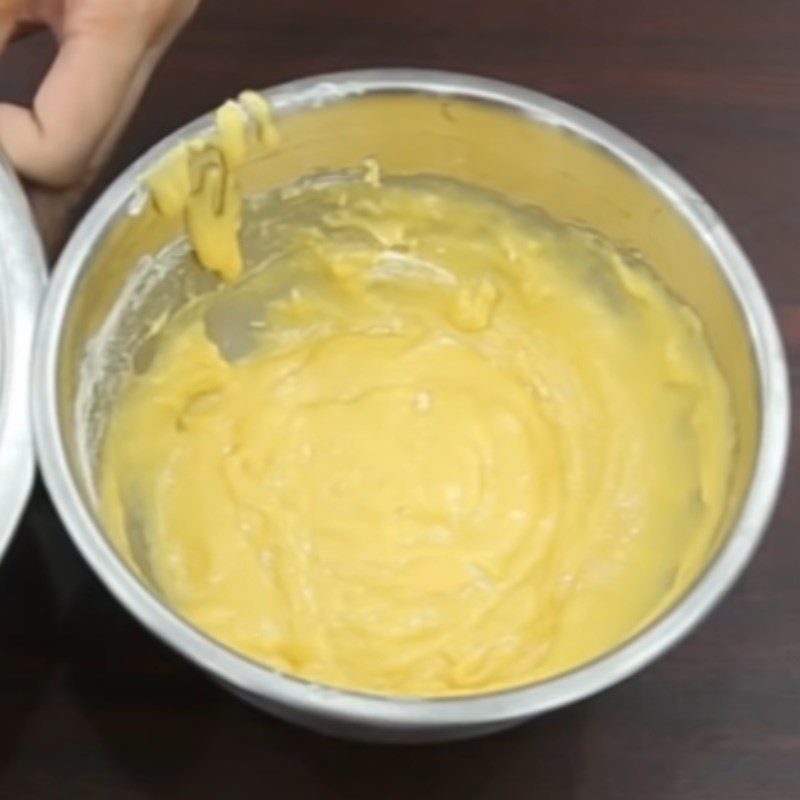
93	707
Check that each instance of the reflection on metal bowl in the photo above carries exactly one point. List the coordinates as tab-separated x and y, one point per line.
22	277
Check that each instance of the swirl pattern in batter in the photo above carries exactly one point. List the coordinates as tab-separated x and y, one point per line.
454	446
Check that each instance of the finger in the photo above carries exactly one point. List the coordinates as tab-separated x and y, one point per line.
175	16
122	115
15	22
138	84
54	209
9	11
76	104
25	29
11	33
102	68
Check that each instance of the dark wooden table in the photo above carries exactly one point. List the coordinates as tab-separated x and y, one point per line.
91	706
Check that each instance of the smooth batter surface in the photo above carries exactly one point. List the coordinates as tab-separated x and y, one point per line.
435	445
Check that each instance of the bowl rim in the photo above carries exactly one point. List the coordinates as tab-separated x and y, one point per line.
22	281
388	712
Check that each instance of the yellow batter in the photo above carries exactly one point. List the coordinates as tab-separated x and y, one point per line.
197	181
435	445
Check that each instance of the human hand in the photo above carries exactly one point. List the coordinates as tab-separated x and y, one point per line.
108	50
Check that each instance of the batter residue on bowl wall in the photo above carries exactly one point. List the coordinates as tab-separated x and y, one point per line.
453	447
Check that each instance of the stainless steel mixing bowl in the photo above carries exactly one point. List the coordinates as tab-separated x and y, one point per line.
22	275
116	277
